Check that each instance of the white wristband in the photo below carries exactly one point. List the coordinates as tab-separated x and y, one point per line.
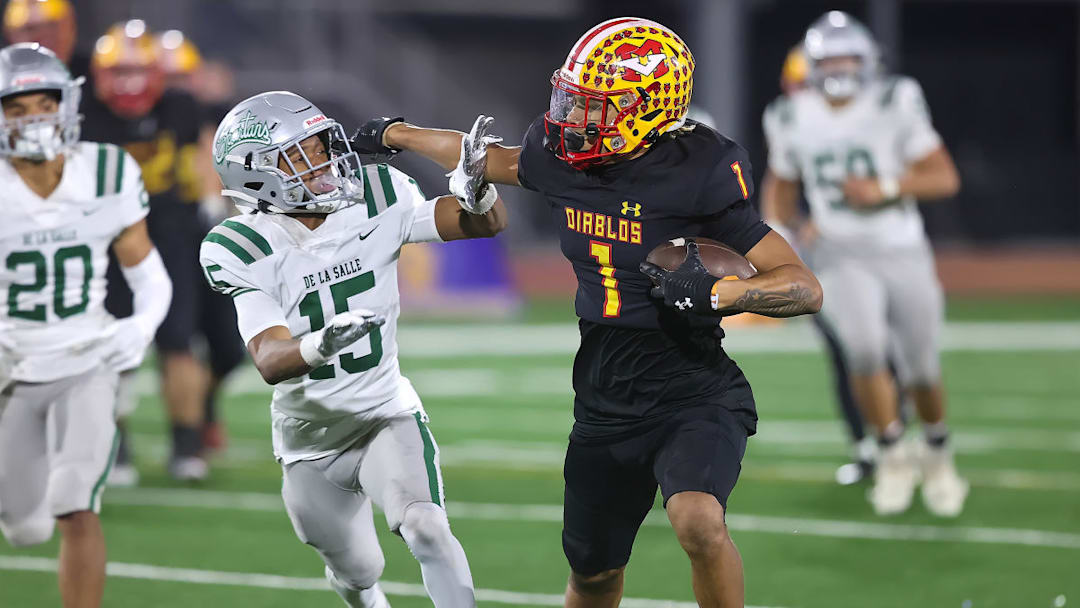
483	205
890	187
309	349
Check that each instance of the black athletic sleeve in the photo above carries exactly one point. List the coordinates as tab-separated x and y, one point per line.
739	227
534	159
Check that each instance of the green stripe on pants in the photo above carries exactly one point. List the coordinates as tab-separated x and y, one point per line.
105	474
429	459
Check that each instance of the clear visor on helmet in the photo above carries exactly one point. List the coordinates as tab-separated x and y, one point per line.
320	168
584	118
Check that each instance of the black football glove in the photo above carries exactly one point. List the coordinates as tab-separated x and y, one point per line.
688	287
368	139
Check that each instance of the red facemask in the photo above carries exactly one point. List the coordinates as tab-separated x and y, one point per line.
129	91
580	121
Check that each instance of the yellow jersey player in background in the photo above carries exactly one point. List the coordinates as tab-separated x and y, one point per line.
159	127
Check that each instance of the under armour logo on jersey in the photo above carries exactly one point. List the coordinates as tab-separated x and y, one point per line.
626	208
684	304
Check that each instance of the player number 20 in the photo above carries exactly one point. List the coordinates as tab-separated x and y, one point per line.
601	252
312	308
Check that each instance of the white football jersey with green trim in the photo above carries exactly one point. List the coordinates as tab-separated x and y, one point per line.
55	252
878	134
348	262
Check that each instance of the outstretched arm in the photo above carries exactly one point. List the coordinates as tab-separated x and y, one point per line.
443	146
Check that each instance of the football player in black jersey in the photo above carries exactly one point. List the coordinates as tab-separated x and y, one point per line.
159	127
658	402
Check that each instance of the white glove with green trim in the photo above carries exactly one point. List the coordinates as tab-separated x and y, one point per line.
344	329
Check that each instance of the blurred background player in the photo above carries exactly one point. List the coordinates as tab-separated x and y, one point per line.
210	84
65	204
159	127
50	23
863	147
793	78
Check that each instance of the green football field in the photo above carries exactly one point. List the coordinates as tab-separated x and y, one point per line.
500	407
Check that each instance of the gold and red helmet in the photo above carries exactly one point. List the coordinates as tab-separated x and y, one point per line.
795	71
127	75
177	54
625	82
50	23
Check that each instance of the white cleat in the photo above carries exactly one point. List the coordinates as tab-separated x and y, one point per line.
943	490
188	468
894	480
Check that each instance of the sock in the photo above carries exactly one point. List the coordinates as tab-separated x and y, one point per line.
937	434
893	432
187	441
442	560
372	597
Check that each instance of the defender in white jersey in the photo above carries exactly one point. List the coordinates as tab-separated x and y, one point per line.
312	269
65	203
863	149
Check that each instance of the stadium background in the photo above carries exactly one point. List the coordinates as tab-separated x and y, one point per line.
1002	81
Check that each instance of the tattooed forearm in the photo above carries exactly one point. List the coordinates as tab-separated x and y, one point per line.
797	300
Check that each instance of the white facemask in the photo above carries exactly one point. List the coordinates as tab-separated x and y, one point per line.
37	140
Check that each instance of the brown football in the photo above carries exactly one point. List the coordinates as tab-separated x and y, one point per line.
721	260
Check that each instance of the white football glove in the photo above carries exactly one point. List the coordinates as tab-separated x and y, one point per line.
467	179
344	329
126	346
122	345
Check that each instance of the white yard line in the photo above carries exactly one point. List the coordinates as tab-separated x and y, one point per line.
517	340
252	501
274	581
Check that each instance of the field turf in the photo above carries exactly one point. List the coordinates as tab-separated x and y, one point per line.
502	420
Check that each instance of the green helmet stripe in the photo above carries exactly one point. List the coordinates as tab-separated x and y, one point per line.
251	235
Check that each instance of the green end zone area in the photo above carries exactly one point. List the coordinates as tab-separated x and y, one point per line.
501	423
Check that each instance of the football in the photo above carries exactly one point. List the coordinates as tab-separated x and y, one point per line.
721	260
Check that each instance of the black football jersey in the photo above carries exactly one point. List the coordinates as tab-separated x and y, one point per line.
696	183
164	143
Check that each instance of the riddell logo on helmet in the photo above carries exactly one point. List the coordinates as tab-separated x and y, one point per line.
28	79
314	120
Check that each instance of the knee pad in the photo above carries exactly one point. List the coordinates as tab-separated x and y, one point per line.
356	569
29	532
426	529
